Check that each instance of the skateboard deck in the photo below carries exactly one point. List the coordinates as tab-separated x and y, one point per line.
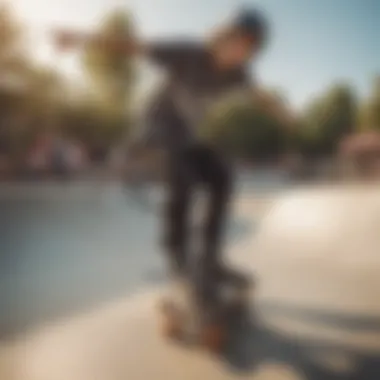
182	319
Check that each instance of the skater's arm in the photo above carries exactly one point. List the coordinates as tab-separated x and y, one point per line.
165	53
175	54
70	39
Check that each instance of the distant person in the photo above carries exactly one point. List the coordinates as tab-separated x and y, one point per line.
198	74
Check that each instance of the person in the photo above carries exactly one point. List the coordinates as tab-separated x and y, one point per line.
198	74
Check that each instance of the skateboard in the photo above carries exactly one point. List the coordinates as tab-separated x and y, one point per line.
183	321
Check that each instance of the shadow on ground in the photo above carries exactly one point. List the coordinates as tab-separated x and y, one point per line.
238	230
311	359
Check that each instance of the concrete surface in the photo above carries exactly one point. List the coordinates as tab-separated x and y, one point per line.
317	255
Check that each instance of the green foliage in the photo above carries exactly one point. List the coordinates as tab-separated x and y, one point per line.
111	72
91	126
245	130
11	33
370	112
327	119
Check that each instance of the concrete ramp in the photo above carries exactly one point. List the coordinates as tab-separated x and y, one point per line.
121	341
318	310
322	246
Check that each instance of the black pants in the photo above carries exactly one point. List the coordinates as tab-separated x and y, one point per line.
196	166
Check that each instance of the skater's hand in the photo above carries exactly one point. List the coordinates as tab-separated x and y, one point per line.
66	39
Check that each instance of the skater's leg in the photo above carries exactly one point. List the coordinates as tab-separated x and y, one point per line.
216	177
218	180
176	213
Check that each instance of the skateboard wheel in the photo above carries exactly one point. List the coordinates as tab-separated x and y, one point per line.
172	319
171	328
214	338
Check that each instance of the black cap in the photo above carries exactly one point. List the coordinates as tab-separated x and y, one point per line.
253	23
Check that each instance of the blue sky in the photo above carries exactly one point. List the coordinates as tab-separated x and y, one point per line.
314	43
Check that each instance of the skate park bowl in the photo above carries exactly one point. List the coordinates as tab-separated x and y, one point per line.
316	255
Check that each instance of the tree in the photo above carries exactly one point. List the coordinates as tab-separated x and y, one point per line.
13	66
370	112
328	119
246	129
29	94
11	33
111	72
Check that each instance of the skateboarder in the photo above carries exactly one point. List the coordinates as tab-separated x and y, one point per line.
198	73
